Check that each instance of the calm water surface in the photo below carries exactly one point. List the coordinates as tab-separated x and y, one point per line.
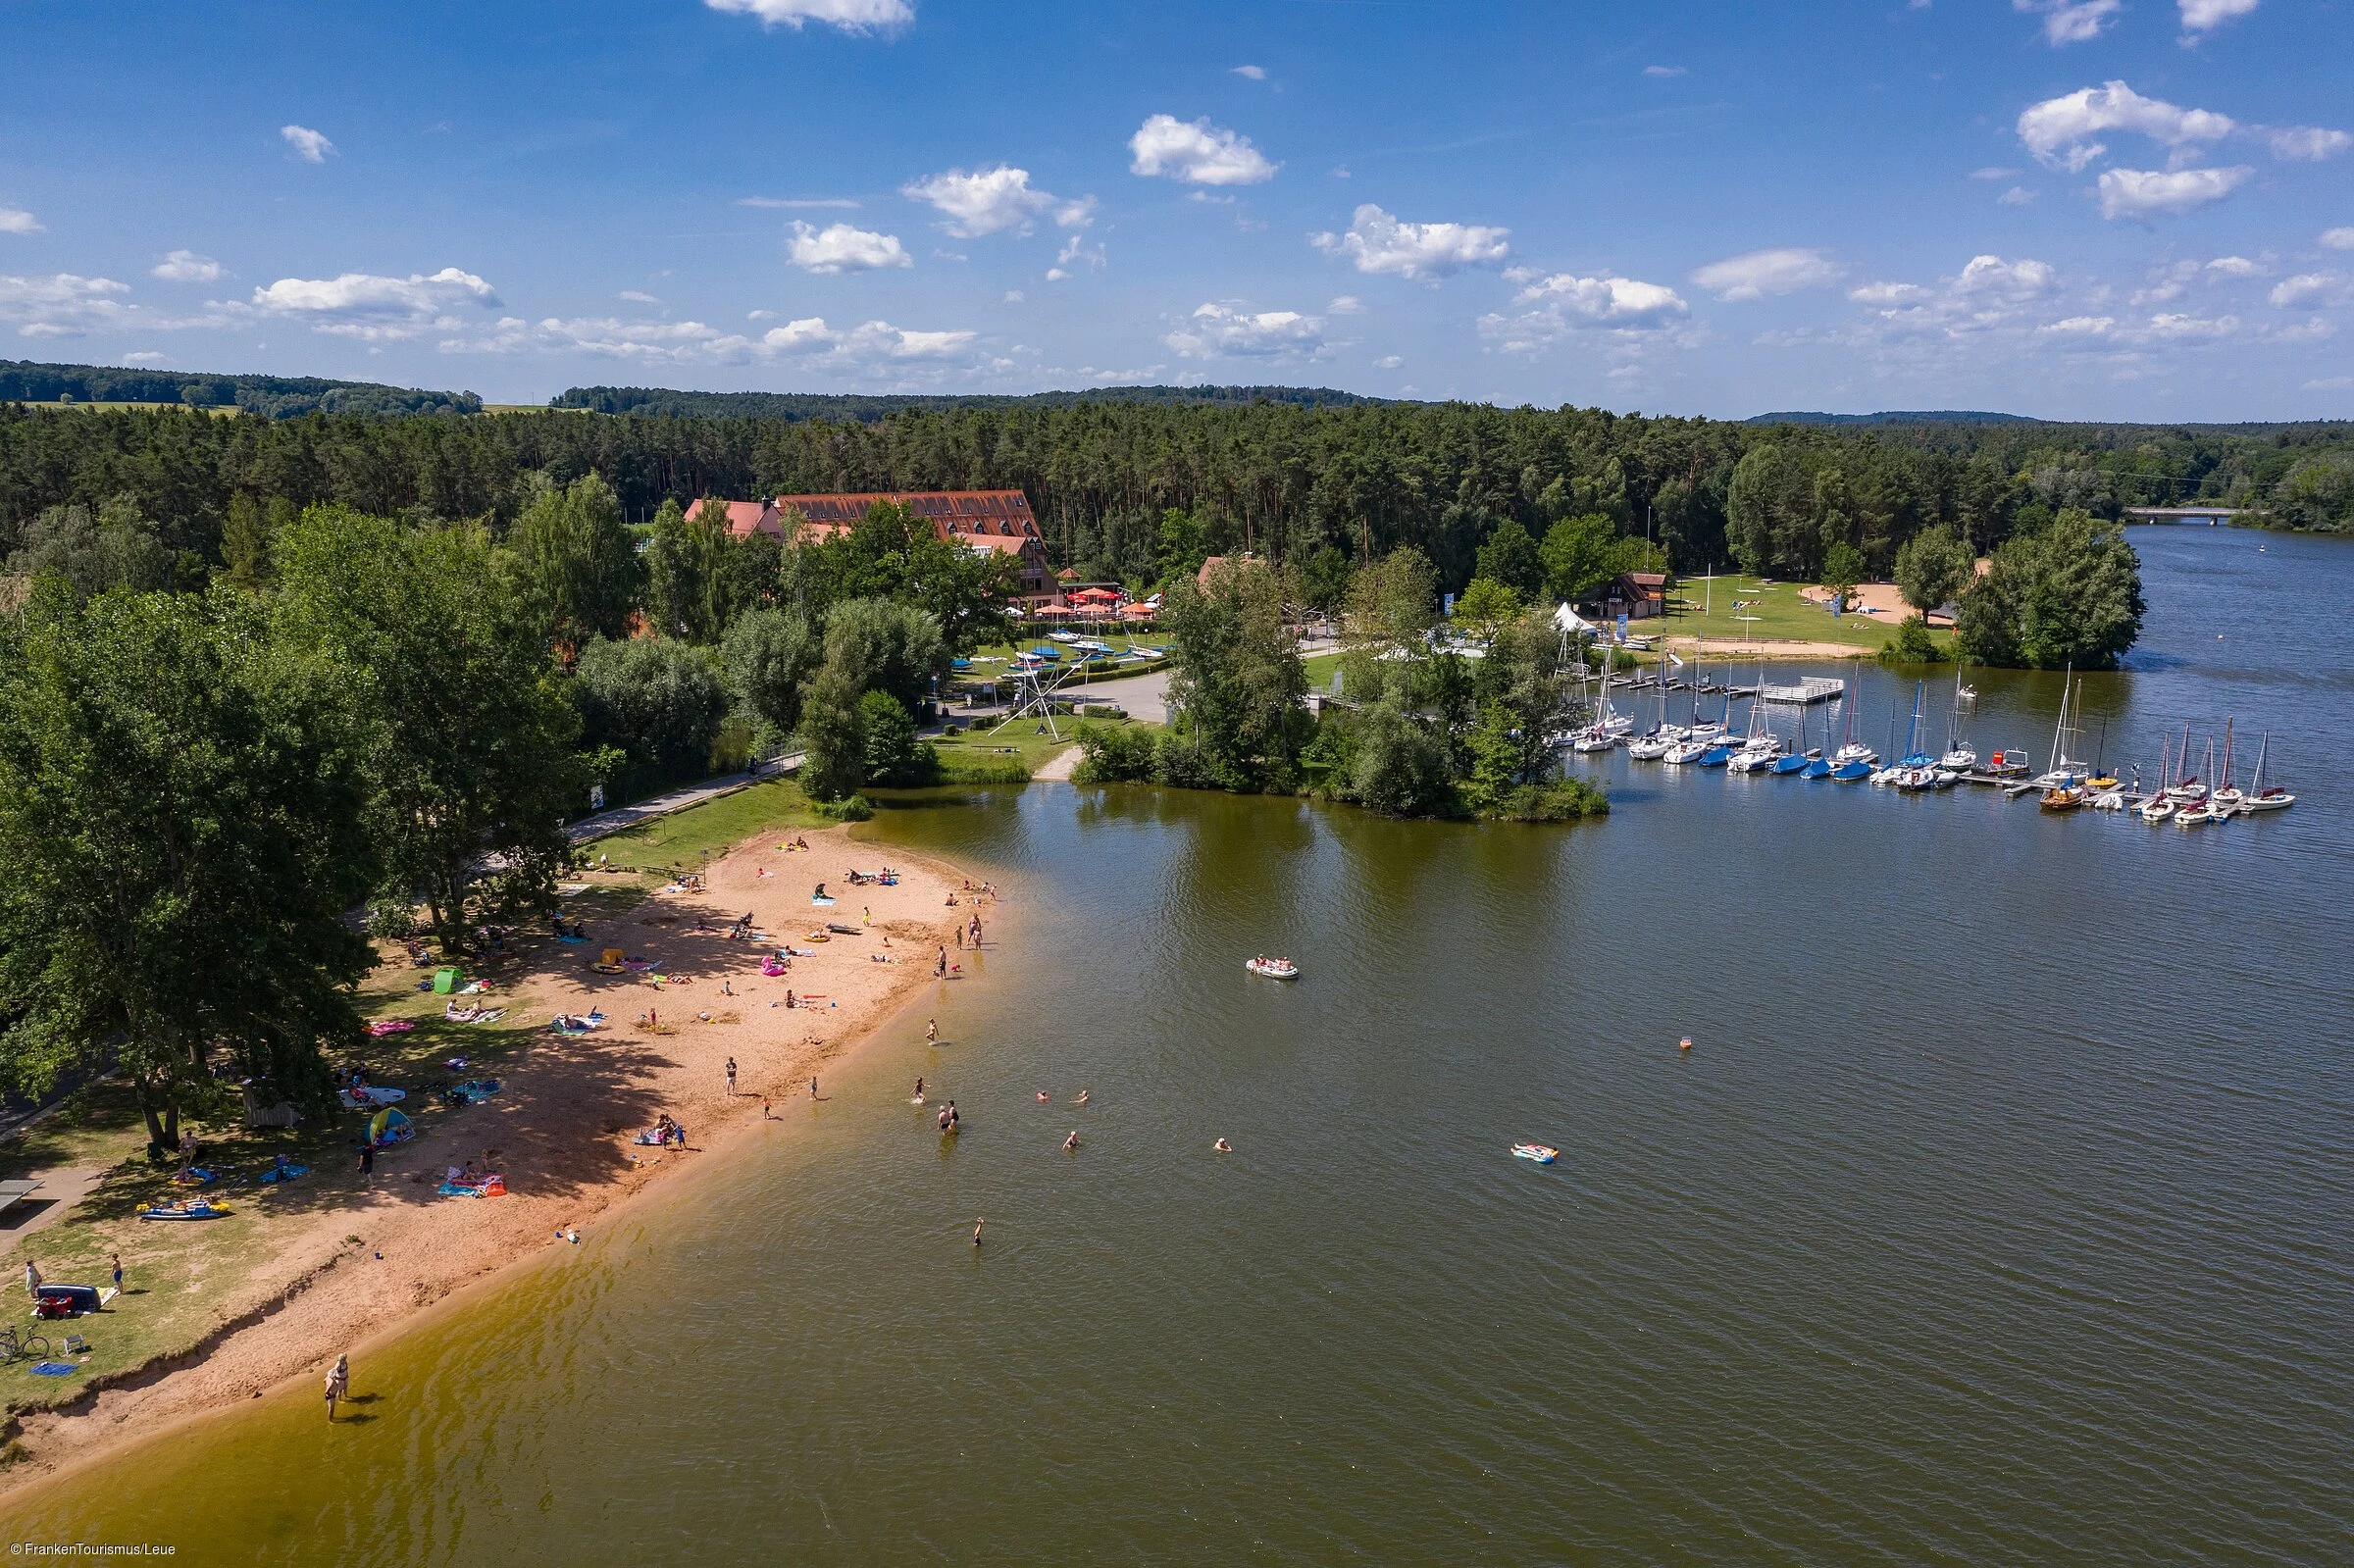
2001	1214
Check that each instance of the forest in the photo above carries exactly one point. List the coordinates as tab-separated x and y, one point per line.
1323	489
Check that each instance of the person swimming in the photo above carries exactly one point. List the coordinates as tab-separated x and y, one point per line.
1041	1097
1222	1147
1083	1097
1071	1145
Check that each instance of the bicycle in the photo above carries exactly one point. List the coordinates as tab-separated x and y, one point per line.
15	1347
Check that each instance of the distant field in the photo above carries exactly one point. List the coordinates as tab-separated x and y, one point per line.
1779	611
223	408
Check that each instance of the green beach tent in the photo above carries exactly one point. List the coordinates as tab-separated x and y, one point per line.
446	980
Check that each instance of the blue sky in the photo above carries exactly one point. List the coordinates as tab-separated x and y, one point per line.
2130	209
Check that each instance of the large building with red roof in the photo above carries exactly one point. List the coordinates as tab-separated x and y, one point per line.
999	521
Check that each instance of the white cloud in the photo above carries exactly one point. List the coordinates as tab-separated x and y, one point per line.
2067	21
986	201
2314	288
875	346
1216	330
2060	131
2016	196
1377	242
1992	172
1197	152
1888	293
1388	362
375	308
1992	276
147	356
794	203
186	266
1664	71
1755	274
2327	383
2235	267
1254	73
309	145
851	16
638	296
2205	15
1346	305
2189	329
1072	253
1607	298
2145	192
2308	143
62	305
2338	238
2079	326
16	221
1627	310
842	248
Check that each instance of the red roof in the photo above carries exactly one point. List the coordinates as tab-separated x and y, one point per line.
743	517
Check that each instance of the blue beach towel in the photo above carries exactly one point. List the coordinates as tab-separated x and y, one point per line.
54	1368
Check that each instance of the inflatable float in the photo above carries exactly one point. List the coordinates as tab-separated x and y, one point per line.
1273	968
1538	1152
193	1209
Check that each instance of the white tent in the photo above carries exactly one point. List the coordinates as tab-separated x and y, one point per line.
1572	623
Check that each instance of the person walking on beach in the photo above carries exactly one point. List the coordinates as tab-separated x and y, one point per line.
116	1258
813	1089
32	1280
974	931
960	938
338	1384
366	1165
940	970
766	1114
731	1078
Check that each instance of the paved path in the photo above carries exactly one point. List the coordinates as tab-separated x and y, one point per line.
1142	697
613	821
1059	766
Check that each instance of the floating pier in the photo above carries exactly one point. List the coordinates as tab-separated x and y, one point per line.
1813	689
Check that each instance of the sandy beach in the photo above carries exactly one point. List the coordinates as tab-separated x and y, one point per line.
562	1127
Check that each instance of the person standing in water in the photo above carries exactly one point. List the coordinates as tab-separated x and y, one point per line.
919	1088
1070	1145
977	1224
932	1031
338	1384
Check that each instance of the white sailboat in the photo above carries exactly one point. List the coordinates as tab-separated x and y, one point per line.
2227	798
2264	797
1958	757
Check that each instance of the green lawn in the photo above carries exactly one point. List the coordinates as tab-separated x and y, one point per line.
716	826
1779	614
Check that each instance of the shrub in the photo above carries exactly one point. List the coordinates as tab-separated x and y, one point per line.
894	754
391	916
850	808
1912	644
1115	756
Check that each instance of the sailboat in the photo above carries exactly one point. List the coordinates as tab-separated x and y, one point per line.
2063	772
1654	746
2186	786
2226	800
1798	760
1958	757
2198	812
1853	760
2160	805
2262	797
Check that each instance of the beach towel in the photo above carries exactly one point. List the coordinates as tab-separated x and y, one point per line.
284	1173
572	938
53	1369
390	1026
194	1175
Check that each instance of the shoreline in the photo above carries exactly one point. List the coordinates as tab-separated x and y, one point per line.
566	1118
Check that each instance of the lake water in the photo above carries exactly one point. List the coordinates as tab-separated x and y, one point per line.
2001	1213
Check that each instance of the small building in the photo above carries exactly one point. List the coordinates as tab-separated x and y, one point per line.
1212	567
744	518
996	520
1637	595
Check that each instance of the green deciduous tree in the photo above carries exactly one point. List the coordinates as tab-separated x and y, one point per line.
578	561
1582	554
1510	557
659	701
1236	676
1932	569
2066	595
1842	570
1486	605
770	655
469	730
180	822
890	553
117	547
887	737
